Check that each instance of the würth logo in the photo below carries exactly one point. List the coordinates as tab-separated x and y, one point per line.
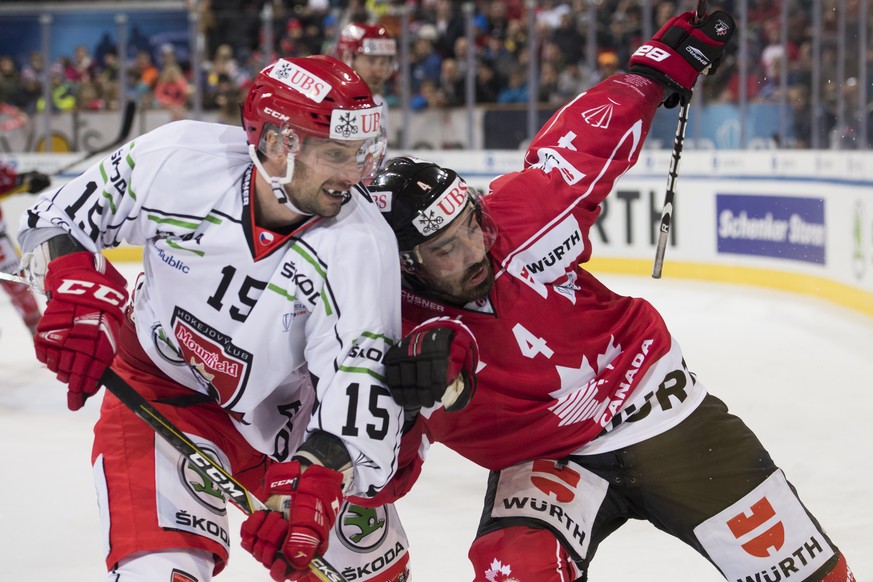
765	537
556	480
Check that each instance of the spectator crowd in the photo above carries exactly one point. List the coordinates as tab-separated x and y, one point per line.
234	46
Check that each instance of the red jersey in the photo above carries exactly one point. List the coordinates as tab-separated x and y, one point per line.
560	353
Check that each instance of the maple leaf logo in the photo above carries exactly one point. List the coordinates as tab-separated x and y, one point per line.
579	397
498	572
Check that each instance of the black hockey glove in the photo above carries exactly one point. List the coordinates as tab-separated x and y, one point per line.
34	182
682	50
436	362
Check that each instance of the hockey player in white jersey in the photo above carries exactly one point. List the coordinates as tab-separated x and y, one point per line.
270	293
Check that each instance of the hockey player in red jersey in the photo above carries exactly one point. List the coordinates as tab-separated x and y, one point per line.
577	399
12	182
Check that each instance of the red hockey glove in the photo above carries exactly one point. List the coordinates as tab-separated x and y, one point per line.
76	337
682	50
436	362
306	504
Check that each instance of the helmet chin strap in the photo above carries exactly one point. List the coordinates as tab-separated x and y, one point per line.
277	183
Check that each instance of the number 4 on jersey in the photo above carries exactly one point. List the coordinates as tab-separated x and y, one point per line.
529	344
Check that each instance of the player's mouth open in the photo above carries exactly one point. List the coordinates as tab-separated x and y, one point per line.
340	195
477	274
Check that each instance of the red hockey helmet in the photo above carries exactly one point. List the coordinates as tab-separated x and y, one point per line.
316	96
364	39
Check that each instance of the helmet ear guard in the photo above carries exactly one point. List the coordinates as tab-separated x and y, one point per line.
287	141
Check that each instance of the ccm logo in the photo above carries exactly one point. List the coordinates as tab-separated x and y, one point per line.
101	293
276	114
652	52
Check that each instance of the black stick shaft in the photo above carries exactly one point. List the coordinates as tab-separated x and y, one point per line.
678	143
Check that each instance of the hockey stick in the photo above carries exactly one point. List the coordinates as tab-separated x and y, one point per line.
120	139
13	278
236	493
678	142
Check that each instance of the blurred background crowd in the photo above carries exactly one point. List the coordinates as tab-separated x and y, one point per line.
811	59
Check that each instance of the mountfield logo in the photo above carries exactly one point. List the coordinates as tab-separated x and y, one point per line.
180	576
782	227
221	366
378	46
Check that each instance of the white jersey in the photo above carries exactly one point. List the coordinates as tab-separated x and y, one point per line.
286	333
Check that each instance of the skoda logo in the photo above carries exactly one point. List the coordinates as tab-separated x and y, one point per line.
166	350
362	529
201	486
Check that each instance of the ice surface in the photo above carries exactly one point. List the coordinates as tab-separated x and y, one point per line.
798	371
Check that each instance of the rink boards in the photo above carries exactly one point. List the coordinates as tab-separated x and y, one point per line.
794	221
